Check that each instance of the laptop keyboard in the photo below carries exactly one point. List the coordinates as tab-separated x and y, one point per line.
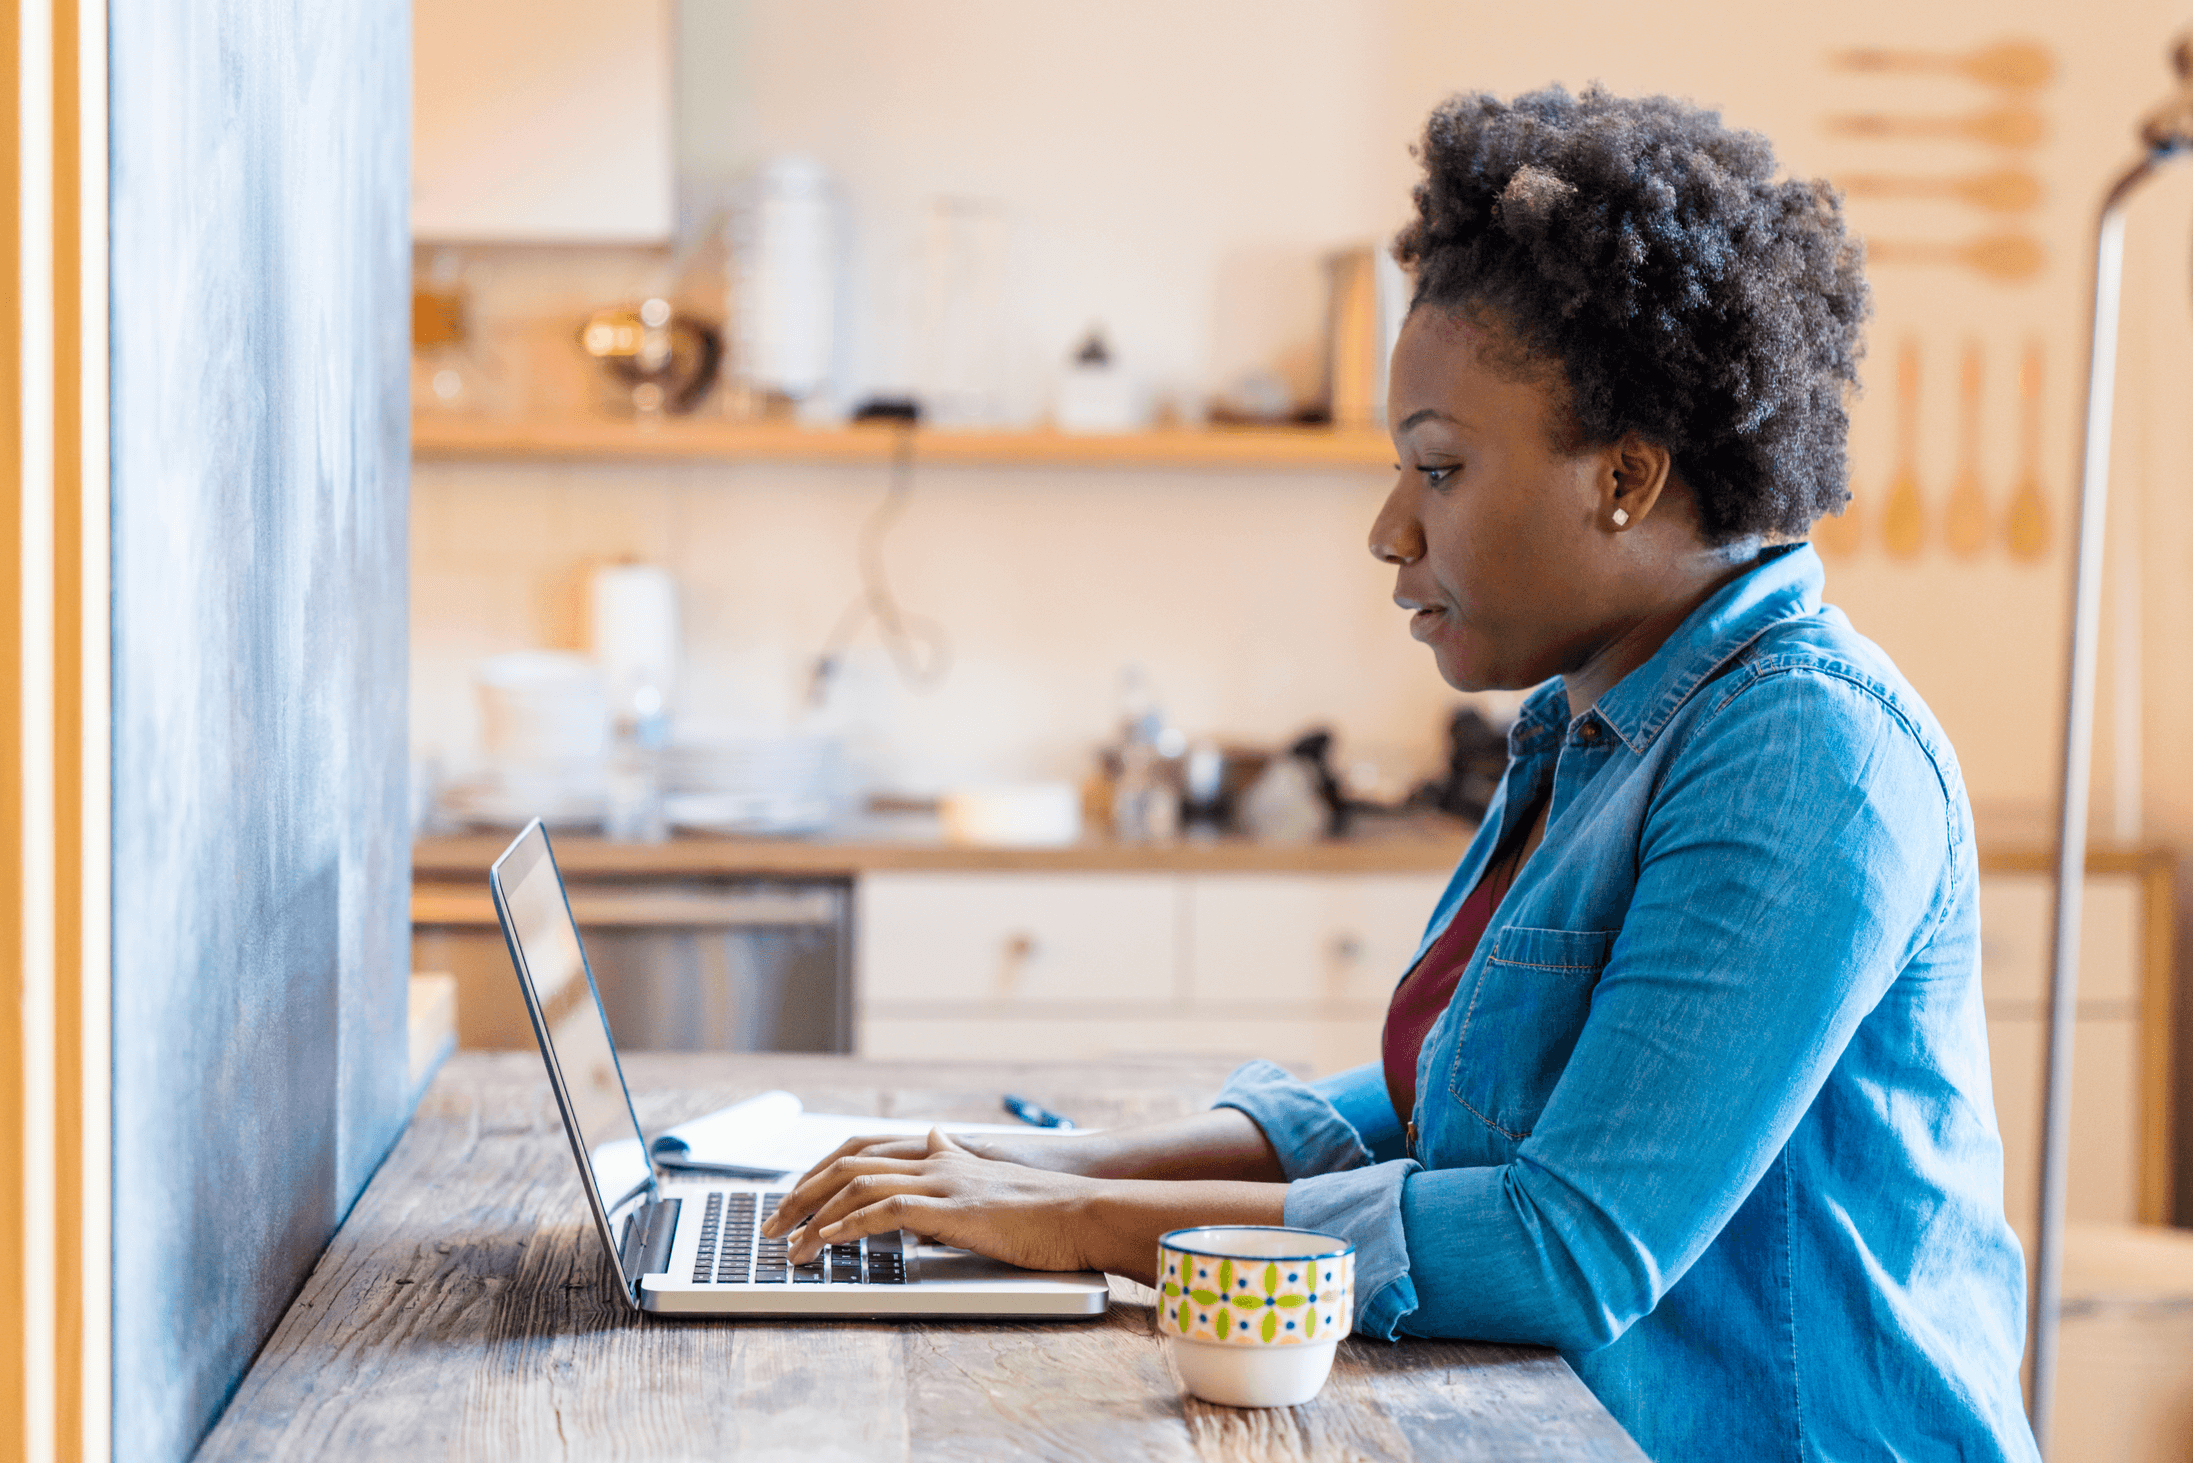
732	1251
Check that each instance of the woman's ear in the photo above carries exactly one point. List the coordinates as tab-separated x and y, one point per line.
1636	471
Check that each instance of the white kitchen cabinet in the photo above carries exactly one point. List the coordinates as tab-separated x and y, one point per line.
2119	1092
1007	943
1295	968
1336	941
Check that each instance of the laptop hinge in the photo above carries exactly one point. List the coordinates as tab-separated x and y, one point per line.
647	1237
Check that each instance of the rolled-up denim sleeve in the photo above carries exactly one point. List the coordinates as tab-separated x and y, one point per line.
1308	1128
1325	1134
1364	1207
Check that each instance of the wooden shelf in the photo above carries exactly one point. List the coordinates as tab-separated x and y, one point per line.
601	439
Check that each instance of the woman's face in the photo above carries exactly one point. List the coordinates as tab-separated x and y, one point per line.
1501	541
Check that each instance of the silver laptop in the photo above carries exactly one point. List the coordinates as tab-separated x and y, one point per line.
688	1245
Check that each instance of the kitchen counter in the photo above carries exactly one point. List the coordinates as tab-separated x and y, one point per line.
1427	845
464	1310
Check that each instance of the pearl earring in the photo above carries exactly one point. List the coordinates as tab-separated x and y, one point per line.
1620	517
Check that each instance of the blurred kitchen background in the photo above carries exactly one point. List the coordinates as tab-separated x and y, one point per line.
891	482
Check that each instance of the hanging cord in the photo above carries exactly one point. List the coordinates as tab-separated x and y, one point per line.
920	650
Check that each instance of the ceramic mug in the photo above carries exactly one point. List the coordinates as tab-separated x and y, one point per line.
1255	1310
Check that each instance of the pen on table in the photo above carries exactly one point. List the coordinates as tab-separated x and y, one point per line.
1035	1115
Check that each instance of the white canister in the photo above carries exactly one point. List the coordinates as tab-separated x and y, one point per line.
632	621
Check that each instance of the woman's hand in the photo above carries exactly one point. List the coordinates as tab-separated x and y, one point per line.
1036	1218
1009	1210
1224	1143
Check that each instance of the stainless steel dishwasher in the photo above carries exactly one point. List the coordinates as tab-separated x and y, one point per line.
684	964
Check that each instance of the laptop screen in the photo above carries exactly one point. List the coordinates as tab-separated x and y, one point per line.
574	1032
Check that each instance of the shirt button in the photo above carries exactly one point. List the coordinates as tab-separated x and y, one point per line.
1588	732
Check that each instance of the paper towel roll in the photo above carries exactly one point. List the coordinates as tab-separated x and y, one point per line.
633	632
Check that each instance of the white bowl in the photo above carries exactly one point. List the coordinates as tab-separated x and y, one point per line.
1254	1376
1012	815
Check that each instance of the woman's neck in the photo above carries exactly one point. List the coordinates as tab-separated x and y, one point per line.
1660	614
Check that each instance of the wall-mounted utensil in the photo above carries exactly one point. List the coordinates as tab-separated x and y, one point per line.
2016	127
2030	522
2012	65
2003	190
1842	535
2002	258
1965	520
1903	521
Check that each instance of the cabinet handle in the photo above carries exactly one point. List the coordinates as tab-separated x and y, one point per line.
1019	949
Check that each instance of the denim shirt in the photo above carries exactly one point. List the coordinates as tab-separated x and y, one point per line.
1710	1109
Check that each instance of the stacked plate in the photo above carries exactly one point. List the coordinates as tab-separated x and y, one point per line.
785	784
544	722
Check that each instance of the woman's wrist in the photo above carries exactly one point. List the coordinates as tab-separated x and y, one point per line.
1119	1221
1224	1143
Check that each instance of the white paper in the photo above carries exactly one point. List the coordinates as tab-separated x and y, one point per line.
771	1132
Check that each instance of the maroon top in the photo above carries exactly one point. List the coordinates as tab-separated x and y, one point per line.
1425	991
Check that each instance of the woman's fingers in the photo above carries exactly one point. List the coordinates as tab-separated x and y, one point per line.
812	1192
919	1213
868	1191
878	1145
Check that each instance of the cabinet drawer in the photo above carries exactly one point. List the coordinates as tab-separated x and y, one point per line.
1015	940
2014	939
1305	940
2104	1182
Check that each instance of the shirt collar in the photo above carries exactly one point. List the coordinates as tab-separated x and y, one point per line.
1784	584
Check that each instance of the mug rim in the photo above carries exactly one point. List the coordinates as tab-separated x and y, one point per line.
1169	1240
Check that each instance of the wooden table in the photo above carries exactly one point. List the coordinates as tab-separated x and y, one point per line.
466	1310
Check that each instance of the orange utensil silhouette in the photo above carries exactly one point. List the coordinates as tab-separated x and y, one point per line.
1840	535
2002	190
2010	65
2003	258
2015	127
1965	524
1903	523
2030	525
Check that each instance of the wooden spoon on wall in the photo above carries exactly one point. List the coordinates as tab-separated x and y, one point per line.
1965	523
1903	522
2029	519
1840	535
2005	190
2011	65
2016	127
2002	258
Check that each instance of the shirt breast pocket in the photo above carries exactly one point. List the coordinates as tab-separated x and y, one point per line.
1521	1020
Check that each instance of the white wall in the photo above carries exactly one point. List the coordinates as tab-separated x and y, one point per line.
1248	597
1170	169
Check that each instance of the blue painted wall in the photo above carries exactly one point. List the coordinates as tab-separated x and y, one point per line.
260	269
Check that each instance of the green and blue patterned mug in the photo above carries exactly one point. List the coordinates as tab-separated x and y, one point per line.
1257	1310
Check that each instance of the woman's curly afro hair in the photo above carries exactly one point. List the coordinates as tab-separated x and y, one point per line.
1687	295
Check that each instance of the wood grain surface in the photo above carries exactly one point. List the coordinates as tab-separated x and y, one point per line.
582	438
465	1310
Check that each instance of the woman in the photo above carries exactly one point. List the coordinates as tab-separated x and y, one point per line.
1690	1077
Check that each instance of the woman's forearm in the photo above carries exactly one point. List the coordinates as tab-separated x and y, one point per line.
1122	1219
1224	1143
